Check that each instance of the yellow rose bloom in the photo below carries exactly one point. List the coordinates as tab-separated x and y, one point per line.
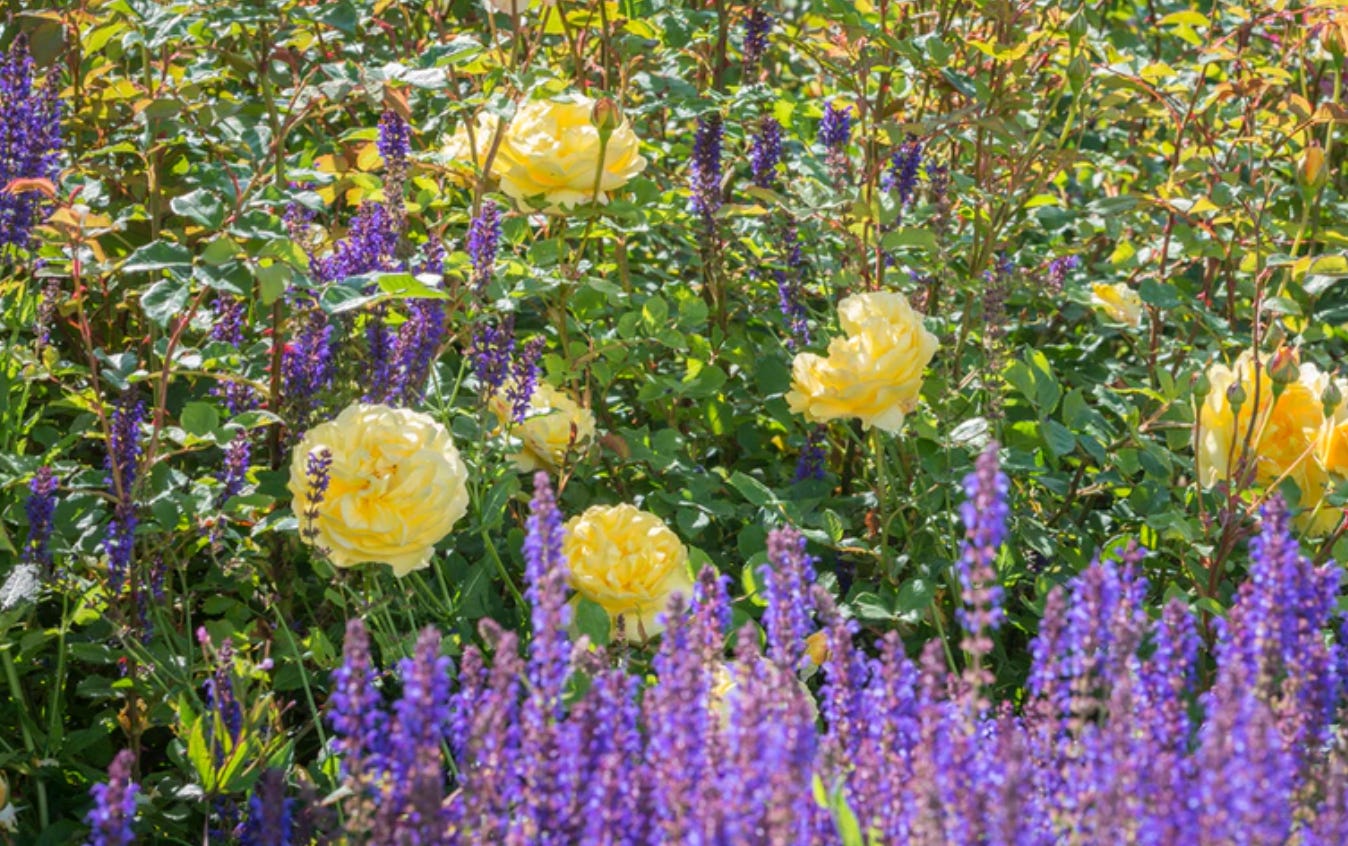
1118	302
459	149
627	561
551	148
554	425
874	373
1289	437
395	488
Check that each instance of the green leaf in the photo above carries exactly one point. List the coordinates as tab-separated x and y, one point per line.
160	255
753	490
200	419
163	300
910	236
592	621
200	206
219	251
1059	438
1159	294
272	280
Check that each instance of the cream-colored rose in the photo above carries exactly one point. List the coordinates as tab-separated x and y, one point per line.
874	373
466	156
551	148
1118	302
627	561
554	426
1288	437
395	488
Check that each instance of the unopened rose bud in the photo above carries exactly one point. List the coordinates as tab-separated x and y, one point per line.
606	116
1311	172
1284	369
1332	396
1235	396
1202	387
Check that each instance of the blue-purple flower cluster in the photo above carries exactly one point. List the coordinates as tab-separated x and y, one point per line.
1115	739
484	237
121	463
40	509
110	819
704	171
765	153
30	143
757	28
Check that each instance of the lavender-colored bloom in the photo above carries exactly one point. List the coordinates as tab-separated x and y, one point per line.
757	27
30	143
394	144
234	473
524	378
379	352
370	244
787	582
903	168
411	805
493	349
938	194
230	320
40	508
813	455
611	797
226	711
835	128
414	351
984	513
307	366
1057	272
704	170
484	238
790	288
46	306
359	726
317	476
114	809
270	813
121	463
766	152
486	717
548	773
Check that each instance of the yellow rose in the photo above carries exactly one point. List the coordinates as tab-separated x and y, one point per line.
874	373
396	487
1119	303
460	150
1289	437
629	562
551	148
554	425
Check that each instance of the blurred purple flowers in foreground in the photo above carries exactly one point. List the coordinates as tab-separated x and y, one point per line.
1117	737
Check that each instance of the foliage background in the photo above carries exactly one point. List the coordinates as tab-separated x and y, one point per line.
1157	143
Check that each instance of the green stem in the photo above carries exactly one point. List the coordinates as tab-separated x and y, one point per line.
16	691
501	569
284	626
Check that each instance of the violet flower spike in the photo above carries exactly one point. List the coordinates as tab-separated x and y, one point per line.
704	172
484	238
40	509
30	144
114	810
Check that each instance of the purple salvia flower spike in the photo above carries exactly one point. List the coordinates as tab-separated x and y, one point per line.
704	170
787	583
30	144
114	809
40	509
